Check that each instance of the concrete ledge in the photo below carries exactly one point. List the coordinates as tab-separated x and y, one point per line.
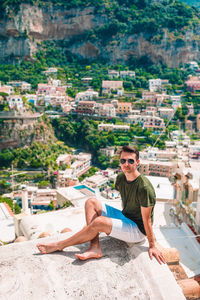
122	273
190	288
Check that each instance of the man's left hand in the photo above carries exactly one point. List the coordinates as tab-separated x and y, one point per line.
153	251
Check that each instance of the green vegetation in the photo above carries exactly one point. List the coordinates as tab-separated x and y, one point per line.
84	133
38	155
123	16
90	172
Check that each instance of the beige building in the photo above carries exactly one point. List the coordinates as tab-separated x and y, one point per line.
166	113
8	89
149	96
109	85
85	107
124	108
158	168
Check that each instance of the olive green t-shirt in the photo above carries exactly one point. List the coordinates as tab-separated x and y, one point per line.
135	194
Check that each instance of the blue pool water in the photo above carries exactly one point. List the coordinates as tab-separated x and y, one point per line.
80	187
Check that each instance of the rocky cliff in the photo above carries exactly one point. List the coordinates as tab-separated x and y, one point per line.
21	34
20	130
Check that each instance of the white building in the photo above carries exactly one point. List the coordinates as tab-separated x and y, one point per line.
176	101
166	113
81	165
86	96
15	101
109	151
113	127
155	85
109	85
113	73
146	121
50	71
127	74
20	85
193	65
96	181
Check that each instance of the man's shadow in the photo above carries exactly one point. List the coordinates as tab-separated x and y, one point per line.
115	250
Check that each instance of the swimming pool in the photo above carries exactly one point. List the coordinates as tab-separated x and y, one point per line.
80	187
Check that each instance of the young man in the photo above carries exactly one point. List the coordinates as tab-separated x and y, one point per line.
131	224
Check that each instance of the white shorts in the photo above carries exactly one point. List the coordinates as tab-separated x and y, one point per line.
123	228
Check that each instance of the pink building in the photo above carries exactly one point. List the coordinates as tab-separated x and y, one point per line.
193	84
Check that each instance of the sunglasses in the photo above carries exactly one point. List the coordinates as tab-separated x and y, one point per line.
130	161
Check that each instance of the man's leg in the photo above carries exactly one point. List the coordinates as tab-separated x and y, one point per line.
88	233
93	209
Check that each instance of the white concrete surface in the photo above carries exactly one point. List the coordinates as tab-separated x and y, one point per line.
122	273
163	187
7	229
183	239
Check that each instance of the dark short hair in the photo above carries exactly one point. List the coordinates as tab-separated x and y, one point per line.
130	149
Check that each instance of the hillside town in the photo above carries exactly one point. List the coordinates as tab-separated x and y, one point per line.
173	169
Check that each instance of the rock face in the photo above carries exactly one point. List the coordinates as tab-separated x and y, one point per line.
20	130
22	33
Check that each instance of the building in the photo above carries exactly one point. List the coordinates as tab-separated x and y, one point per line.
166	113
188	125
6	89
85	107
96	181
194	150
149	97
176	101
15	101
112	127
160	98
193	65
136	112
127	74
50	71
198	122
82	164
113	73
86	96
124	108
63	159
158	168
190	108
193	84
57	100
108	86
155	85
105	110
149	111
146	121
20	85
157	154
109	151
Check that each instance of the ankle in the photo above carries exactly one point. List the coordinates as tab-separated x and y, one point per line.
59	246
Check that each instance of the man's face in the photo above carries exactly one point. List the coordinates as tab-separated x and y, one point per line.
128	166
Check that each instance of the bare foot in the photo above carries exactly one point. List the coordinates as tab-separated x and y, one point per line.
90	253
48	248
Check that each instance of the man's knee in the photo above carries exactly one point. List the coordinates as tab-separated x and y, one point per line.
90	201
102	224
